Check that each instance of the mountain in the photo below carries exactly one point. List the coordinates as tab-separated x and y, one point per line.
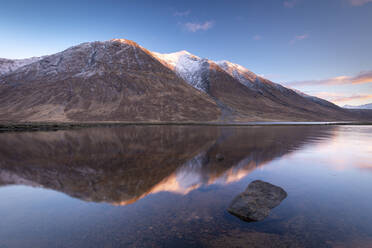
118	80
244	96
364	106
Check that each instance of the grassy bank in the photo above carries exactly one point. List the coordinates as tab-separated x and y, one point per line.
53	126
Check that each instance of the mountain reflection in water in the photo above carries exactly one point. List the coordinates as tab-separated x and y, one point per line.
124	164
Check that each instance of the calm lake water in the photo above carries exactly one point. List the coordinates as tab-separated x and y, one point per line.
162	186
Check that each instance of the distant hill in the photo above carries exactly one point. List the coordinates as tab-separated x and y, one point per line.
364	106
118	80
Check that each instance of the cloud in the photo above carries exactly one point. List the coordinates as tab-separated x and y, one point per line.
328	81
257	37
359	2
195	26
342	98
182	13
362	78
290	3
299	38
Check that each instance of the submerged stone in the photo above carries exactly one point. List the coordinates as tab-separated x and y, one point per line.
255	203
220	157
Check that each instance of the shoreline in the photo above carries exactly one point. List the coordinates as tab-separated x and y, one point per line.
54	126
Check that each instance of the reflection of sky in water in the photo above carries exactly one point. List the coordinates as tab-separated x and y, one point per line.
326	174
349	148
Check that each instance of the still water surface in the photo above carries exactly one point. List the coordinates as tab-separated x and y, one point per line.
162	186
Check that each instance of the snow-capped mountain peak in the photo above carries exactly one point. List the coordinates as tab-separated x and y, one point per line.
172	59
195	71
189	67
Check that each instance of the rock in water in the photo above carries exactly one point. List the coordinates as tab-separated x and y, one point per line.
255	203
220	157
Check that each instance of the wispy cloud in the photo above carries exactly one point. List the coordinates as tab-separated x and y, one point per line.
299	38
359	2
290	3
328	81
196	26
342	98
362	78
182	13
257	37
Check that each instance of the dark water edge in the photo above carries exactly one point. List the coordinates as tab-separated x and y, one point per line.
163	186
54	126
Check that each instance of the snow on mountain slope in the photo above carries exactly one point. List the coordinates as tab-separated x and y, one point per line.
248	78
9	65
242	74
191	68
196	71
260	84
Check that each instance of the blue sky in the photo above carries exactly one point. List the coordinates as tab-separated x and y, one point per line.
322	47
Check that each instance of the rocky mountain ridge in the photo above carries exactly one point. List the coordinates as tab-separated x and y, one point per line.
119	80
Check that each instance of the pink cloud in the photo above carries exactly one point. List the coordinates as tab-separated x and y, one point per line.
359	2
194	26
290	3
340	98
257	37
299	38
362	78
